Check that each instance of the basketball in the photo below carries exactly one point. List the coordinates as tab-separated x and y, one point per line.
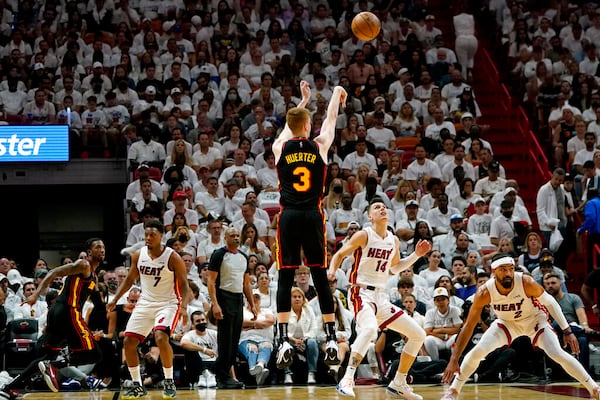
366	25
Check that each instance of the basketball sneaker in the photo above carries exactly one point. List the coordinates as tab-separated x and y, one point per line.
403	391
284	355
346	387
49	373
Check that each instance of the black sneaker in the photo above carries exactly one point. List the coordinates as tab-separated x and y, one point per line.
135	392
169	391
230	383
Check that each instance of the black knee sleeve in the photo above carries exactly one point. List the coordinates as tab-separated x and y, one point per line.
319	276
284	286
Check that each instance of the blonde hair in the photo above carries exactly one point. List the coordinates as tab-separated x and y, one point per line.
296	289
296	118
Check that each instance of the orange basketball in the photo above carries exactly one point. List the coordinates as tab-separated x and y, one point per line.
366	25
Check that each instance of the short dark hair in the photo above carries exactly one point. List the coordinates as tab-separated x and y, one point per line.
459	258
90	242
155	224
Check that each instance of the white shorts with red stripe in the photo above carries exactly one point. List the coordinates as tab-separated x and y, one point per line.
376	300
148	317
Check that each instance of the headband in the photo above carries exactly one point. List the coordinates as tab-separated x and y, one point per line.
503	261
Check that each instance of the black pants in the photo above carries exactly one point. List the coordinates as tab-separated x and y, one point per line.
230	328
194	365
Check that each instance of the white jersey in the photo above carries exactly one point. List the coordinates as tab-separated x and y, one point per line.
156	279
516	307
372	262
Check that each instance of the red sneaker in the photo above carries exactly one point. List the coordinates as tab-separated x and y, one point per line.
106	153
49	373
85	154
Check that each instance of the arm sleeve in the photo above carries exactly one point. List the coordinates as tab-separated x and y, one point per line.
554	309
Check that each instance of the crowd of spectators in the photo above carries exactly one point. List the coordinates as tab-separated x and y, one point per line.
193	95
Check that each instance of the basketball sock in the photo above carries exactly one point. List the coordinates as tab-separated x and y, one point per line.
168	372
400	379
136	376
350	371
283	332
330	331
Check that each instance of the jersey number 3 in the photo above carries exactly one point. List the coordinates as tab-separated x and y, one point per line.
303	175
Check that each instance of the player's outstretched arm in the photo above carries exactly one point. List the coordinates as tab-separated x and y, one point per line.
80	266
482	297
327	133
422	248
286	133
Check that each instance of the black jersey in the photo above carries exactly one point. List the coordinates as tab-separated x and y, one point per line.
301	173
76	290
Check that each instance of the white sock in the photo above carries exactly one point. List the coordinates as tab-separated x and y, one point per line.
135	374
350	371
168	372
400	379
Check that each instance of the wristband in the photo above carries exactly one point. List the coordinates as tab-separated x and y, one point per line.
568	332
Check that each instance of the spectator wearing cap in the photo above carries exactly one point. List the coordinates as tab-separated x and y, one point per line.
442	323
177	99
428	32
396	90
447	243
488	186
520	212
454	88
464	103
503	225
479	223
147	103
143	172
405	227
547	266
383	138
179	206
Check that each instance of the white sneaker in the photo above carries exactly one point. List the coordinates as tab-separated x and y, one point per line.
403	391
311	378
346	387
202	381
331	353
211	380
262	377
450	394
288	379
256	370
284	355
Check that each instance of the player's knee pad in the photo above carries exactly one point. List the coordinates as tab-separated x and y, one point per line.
284	284
365	336
325	297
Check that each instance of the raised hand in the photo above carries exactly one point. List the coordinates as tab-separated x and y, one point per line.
305	90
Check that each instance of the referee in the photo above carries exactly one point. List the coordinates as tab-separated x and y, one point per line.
228	281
